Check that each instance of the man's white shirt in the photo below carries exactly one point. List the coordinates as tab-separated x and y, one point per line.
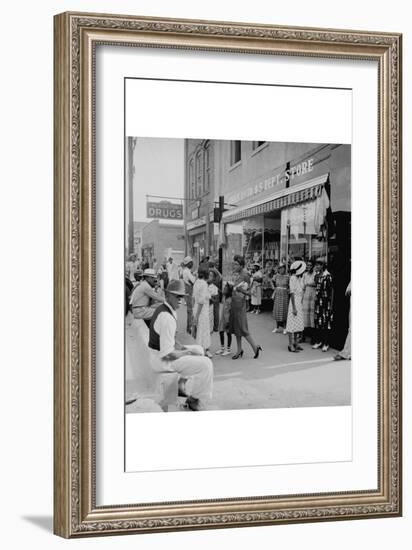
188	276
166	326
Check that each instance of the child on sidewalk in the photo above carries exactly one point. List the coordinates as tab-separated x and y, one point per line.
224	321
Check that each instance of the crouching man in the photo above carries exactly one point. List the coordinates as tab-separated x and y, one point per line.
167	355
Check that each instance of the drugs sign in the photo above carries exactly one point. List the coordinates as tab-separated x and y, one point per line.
164	210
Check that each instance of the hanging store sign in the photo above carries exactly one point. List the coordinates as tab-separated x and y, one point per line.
273	182
164	210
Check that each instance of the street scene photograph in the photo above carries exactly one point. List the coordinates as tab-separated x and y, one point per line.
237	275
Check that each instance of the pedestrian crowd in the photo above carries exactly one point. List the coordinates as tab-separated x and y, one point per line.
302	295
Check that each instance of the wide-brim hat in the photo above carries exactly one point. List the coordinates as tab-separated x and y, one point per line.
149	273
298	267
176	286
187	260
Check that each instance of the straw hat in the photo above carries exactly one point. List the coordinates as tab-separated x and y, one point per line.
298	267
187	260
149	273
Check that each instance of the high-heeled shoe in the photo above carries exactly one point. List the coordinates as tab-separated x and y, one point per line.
238	354
258	350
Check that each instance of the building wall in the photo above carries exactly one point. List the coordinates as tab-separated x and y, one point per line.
163	236
205	195
256	164
262	172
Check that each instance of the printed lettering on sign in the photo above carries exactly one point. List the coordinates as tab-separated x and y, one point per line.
164	210
273	182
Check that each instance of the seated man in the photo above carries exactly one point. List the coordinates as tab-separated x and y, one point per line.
143	300
167	355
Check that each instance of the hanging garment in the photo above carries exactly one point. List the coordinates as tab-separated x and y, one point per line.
296	221
309	213
284	221
322	205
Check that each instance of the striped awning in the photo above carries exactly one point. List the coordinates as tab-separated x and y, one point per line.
309	191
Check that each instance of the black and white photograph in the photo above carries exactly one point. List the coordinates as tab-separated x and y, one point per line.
237	274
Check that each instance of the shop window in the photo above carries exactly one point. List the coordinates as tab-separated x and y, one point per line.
235	152
304	229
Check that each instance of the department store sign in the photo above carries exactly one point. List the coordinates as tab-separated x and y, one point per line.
271	183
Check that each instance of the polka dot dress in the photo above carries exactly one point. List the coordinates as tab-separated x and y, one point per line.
295	323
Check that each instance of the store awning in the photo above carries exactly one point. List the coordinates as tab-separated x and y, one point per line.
197	231
303	192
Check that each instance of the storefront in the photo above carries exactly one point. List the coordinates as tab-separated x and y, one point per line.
196	239
290	224
200	241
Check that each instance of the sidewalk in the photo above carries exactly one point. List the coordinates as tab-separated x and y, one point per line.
277	379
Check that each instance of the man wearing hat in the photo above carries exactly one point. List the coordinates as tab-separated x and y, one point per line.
144	299
167	355
189	280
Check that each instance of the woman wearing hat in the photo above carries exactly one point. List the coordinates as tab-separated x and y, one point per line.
294	323
280	298
256	288
323	305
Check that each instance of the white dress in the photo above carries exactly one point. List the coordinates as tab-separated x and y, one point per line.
213	291
295	323
201	296
256	289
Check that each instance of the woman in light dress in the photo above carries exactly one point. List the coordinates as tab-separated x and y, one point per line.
201	315
294	323
256	288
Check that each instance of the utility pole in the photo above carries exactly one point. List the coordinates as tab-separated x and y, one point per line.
221	229
131	144
207	248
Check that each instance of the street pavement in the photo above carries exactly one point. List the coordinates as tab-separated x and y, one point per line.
277	379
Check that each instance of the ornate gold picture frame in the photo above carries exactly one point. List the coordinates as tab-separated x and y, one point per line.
76	510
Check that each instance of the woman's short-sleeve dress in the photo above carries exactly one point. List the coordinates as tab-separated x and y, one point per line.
201	296
280	297
295	322
238	319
